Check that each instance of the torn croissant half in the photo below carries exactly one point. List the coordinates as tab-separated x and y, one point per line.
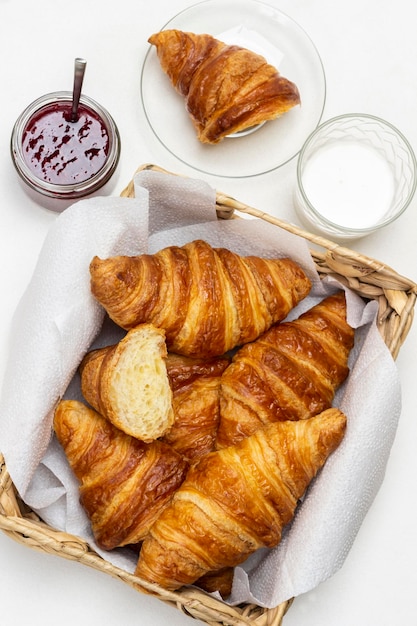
119	383
237	500
128	383
227	88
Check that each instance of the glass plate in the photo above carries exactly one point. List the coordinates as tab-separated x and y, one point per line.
274	143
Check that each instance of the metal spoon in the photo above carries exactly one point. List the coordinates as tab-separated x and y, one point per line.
79	70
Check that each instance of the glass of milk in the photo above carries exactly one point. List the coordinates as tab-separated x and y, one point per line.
355	174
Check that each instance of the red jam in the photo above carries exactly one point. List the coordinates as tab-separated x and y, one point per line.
62	152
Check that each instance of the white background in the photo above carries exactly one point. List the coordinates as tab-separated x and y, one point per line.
369	51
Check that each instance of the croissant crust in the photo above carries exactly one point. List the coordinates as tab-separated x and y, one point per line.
195	400
289	373
207	300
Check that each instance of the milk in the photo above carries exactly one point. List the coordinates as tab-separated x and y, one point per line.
349	183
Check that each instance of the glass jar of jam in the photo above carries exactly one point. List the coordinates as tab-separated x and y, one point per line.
61	158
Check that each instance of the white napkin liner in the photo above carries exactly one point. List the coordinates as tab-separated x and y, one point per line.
57	321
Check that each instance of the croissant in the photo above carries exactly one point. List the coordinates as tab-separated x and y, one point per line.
207	300
195	385
290	373
124	483
237	500
128	383
226	88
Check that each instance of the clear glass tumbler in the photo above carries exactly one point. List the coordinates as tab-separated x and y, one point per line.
355	174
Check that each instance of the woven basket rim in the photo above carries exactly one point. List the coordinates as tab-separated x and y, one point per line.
396	296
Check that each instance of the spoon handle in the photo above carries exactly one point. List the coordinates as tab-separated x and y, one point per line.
79	70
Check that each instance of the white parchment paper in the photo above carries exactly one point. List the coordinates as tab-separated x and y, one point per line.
58	321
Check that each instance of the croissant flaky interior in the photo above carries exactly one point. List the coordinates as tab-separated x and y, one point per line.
207	300
226	88
237	500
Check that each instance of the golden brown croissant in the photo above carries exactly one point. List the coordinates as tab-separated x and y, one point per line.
195	400
207	300
125	483
290	373
237	500
226	88
128	383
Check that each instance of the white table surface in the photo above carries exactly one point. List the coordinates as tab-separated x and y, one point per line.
369	51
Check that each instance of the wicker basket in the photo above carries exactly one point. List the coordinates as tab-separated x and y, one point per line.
369	278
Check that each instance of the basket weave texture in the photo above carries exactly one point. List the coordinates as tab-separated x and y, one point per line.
371	279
